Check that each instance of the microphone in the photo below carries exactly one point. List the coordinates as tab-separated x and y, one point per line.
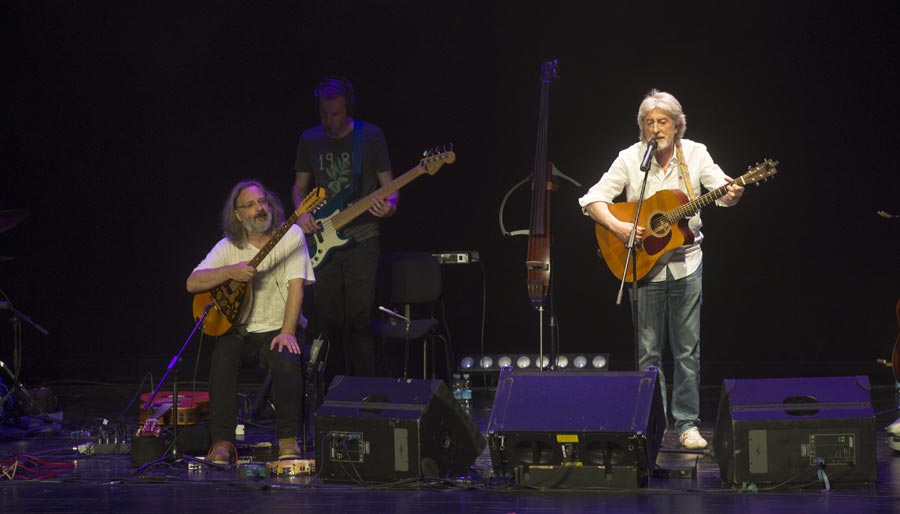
393	313
648	155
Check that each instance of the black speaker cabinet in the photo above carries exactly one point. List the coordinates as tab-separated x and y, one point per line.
375	429
576	429
784	430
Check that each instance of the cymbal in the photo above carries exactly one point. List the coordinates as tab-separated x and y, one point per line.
11	217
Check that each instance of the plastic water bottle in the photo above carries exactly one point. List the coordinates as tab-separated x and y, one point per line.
466	392
456	384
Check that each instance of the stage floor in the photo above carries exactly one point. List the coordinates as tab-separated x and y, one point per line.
108	482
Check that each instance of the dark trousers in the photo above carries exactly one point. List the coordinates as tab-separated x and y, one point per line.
235	350
344	300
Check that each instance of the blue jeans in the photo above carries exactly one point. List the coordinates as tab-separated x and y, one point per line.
671	309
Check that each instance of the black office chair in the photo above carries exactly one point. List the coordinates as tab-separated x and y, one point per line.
411	284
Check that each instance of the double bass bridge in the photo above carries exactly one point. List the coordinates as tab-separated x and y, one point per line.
537	266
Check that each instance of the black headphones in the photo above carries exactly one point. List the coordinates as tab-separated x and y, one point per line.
336	86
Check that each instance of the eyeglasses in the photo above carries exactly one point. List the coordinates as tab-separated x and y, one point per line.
262	202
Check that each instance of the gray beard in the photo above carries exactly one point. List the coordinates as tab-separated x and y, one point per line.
252	228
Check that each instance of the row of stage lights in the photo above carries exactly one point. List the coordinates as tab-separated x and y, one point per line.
599	361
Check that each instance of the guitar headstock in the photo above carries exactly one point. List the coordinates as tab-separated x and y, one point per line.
760	172
313	200
549	70
436	157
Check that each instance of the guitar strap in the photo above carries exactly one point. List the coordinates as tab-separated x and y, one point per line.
357	155
682	164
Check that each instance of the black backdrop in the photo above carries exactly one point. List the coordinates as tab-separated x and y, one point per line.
126	125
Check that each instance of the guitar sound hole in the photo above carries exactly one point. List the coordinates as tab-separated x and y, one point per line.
658	224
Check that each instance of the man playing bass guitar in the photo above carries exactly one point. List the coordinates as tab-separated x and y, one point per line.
670	293
350	159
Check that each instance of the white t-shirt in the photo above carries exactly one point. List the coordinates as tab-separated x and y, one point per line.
625	174
287	261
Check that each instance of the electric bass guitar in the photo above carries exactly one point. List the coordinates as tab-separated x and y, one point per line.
332	219
664	218
228	304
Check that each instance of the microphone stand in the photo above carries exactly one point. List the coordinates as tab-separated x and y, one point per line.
630	256
18	314
169	369
408	322
15	321
314	367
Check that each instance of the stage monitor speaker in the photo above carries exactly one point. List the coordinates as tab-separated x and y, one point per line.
375	429
576	430
785	430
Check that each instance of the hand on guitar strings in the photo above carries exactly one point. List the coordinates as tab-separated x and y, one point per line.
622	230
308	223
383	208
285	340
241	272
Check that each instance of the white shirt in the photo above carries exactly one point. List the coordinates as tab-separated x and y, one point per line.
625	174
287	261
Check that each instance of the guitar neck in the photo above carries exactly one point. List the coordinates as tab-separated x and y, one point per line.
694	206
351	213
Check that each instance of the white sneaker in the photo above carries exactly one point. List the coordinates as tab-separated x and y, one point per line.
692	440
893	435
894	428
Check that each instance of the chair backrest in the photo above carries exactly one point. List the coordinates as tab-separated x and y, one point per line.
415	277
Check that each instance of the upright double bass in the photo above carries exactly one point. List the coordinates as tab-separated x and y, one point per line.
538	261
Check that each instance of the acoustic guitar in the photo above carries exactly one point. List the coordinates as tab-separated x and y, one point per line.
332	219
894	363
664	218
228	304
192	408
895	355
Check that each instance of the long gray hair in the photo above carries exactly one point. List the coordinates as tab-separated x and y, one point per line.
232	228
668	103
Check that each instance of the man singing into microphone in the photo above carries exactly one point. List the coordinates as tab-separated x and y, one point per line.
251	216
670	295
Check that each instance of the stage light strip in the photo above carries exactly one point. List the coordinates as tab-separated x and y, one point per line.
495	362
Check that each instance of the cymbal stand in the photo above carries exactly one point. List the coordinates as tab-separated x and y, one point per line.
16	321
